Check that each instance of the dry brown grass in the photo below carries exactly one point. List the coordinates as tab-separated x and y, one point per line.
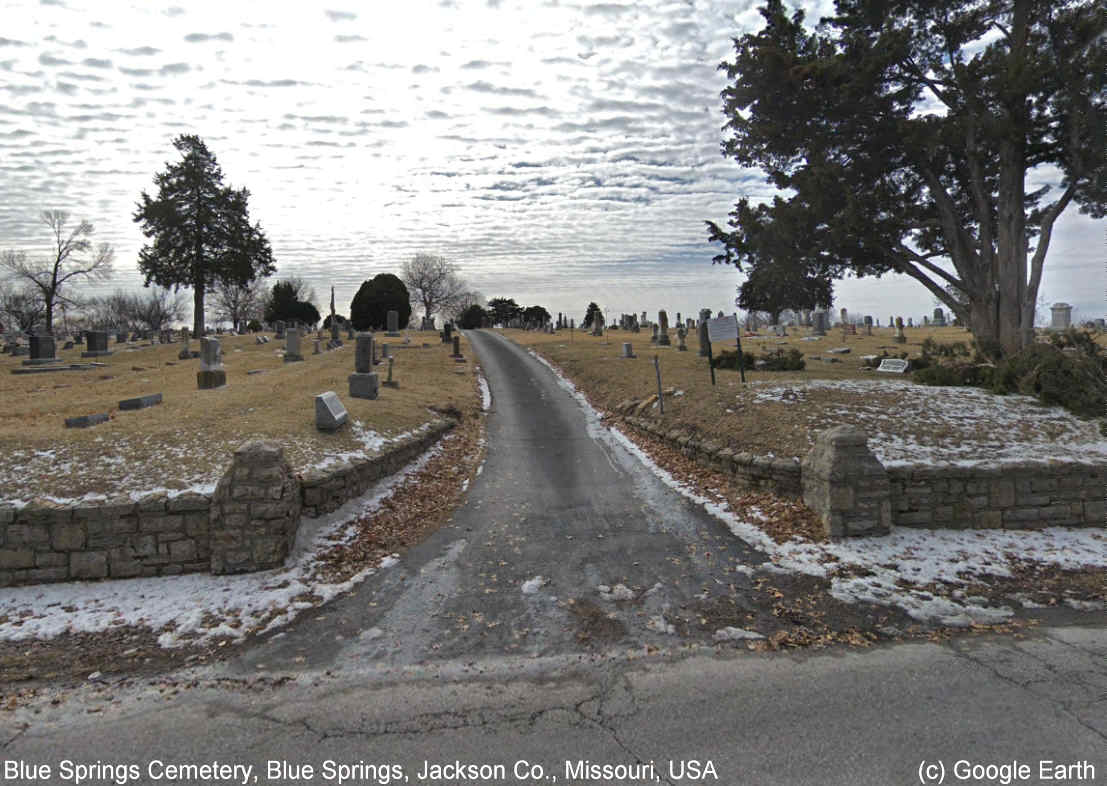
187	440
728	411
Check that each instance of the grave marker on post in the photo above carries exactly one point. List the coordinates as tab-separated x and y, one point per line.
722	329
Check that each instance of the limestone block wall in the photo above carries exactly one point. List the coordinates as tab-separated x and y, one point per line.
1007	496
754	473
155	536
249	523
324	491
1011	496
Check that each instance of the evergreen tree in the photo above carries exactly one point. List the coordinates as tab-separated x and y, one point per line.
200	229
907	134
375	298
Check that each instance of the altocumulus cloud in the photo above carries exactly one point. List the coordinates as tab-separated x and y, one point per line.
591	130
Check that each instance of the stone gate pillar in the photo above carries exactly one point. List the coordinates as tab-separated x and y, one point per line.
846	486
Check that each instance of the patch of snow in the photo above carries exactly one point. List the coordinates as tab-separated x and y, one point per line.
531	586
618	592
735	634
389	561
485	391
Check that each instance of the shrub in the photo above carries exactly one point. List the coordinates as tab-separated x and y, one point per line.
1074	381
254	326
777	360
472	317
375	298
728	358
972	374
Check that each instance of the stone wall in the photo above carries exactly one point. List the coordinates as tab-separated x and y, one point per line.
155	536
1008	496
753	473
326	490
251	526
1012	496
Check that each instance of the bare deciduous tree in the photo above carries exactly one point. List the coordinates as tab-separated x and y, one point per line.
157	309
434	282
72	256
239	303
465	300
20	308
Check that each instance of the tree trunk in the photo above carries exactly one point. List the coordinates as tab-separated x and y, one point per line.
49	316
198	309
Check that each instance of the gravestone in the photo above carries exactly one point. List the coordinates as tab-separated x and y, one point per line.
939	318
819	322
447	333
627	351
390	382
654	337
910	323
142	402
663	339
386	351
645	321
97	344
330	414
597	324
120	338
211	374
185	353
844	316
705	314
894	365
926	321
393	321
279	329
899	338
364	382
292	346
315	347
84	421
43	350
457	347
681	333
1061	316
349	331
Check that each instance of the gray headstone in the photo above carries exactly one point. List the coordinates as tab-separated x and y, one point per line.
43	349
393	323
705	314
330	414
141	402
1061	316
363	353
292	346
627	351
211	354
84	421
97	344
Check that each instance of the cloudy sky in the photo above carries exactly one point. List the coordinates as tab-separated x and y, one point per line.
558	152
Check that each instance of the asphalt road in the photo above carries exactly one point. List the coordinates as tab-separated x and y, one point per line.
444	658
